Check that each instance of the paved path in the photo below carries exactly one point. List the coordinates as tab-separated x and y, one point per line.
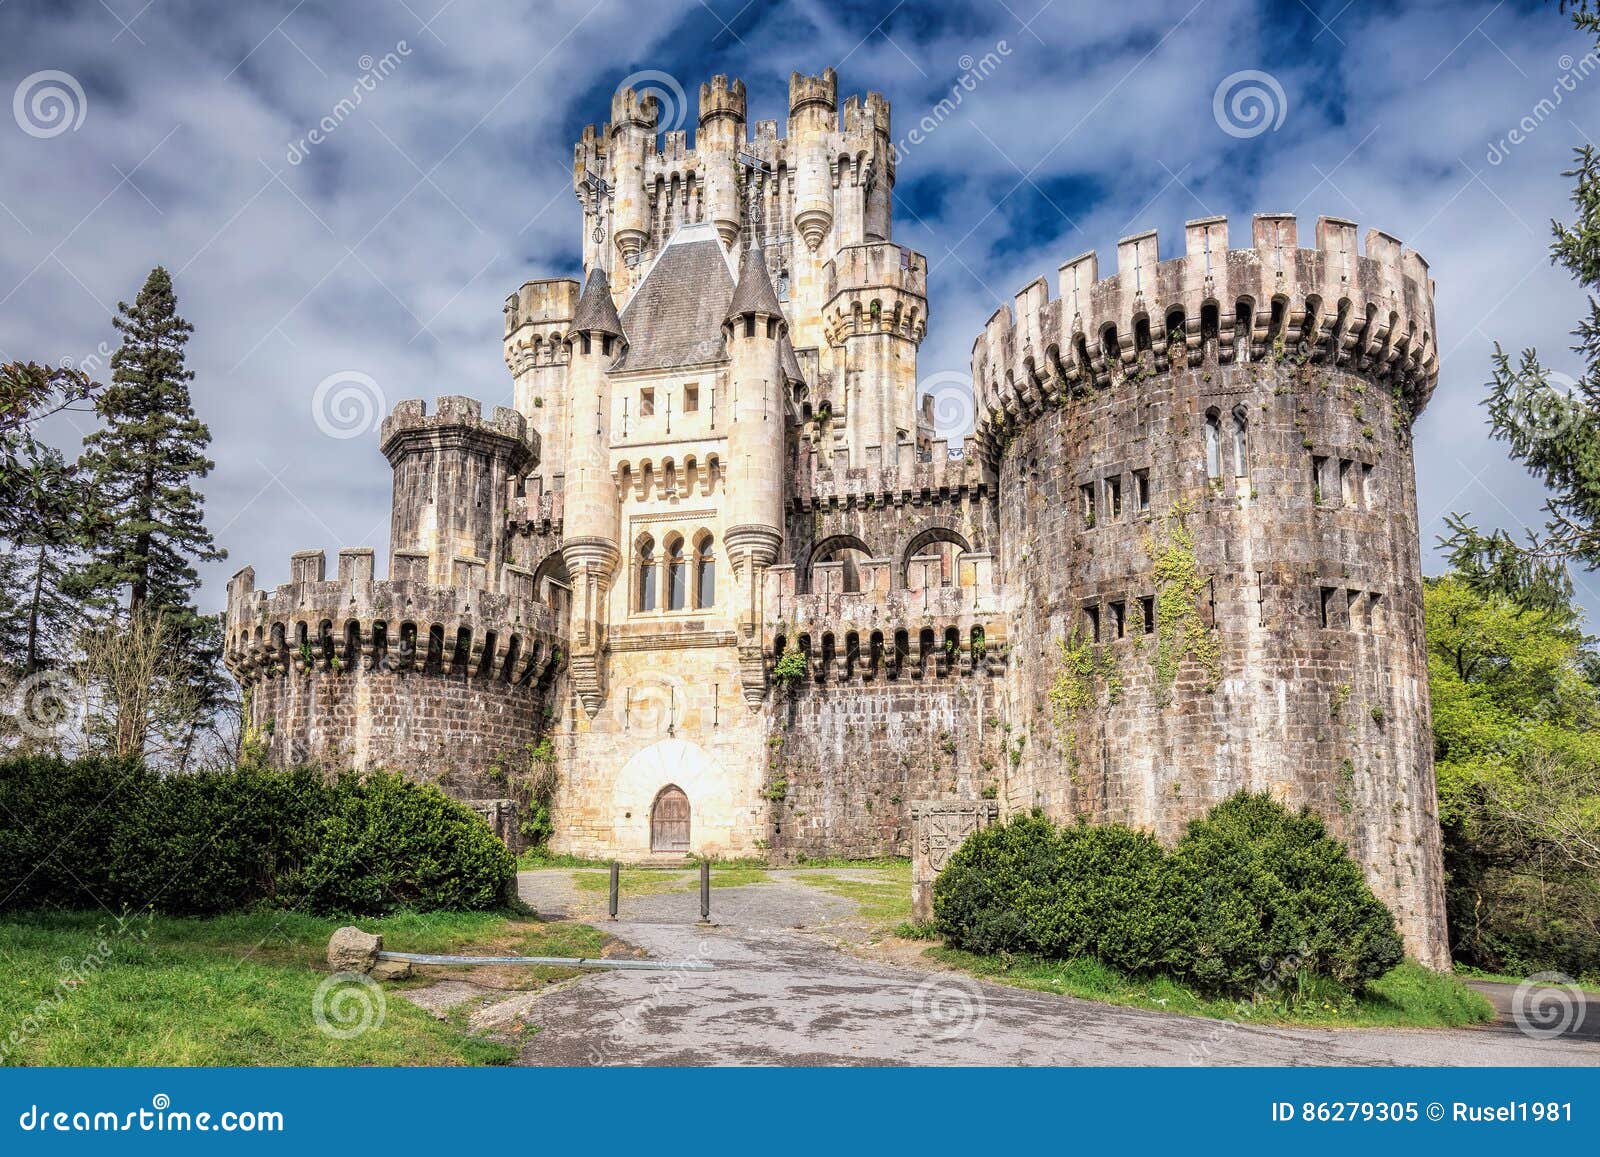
785	992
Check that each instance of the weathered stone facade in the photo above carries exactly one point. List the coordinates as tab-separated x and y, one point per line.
717	556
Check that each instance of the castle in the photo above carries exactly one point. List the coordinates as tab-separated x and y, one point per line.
716	557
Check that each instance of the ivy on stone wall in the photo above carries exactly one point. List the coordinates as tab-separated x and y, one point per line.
1181	632
1086	669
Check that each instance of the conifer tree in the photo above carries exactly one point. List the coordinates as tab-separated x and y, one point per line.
42	606
147	528
1555	433
149	525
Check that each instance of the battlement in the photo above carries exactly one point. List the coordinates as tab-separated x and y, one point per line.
867	114
629	107
1371	311
924	630
720	98
813	90
356	623
906	472
457	417
878	287
549	302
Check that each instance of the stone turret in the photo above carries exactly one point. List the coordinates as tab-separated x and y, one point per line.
755	332
813	119
454	472
878	312
538	318
633	134
720	138
589	544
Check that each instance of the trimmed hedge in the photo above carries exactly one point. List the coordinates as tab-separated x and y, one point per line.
1252	896
92	832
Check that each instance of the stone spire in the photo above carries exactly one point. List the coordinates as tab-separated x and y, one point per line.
754	292
596	312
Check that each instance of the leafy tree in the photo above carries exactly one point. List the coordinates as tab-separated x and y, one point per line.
1516	722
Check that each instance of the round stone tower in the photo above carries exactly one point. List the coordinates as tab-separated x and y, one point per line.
1209	535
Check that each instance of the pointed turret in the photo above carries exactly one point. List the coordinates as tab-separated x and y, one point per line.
754	292
596	312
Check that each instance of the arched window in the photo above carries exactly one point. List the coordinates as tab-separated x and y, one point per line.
1241	449
677	576
647	574
705	572
1213	444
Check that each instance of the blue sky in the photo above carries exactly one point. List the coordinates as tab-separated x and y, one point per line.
387	249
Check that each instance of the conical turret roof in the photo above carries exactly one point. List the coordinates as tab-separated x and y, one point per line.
596	312
754	293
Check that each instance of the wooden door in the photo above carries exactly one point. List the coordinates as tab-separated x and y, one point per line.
669	821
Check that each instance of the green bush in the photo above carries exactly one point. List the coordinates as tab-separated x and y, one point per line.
1266	897
104	833
1252	897
389	843
1032	888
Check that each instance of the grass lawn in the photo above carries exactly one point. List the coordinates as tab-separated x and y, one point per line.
77	989
1408	996
884	897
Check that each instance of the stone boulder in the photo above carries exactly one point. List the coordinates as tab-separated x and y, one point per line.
391	970
352	950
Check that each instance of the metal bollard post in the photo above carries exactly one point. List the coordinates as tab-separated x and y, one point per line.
616	884
705	890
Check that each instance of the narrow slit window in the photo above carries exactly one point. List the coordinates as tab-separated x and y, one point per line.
677	577
1213	434
647	403
1147	614
1319	474
1327	606
1114	498
1241	442
1366	486
1091	623
1086	503
1119	620
1141	491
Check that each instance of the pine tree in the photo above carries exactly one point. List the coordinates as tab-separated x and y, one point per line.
1555	433
147	528
144	462
42	608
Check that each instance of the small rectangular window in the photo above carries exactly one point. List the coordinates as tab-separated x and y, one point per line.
1147	612
1113	498
647	403
1327	606
1346	494
691	398
1141	491
1375	613
1119	620
1366	485
1352	609
1086	502
1091	622
1319	479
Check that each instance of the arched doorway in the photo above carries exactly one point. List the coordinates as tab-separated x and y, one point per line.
669	821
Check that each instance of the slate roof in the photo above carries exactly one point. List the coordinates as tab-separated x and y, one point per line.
754	293
674	317
596	313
